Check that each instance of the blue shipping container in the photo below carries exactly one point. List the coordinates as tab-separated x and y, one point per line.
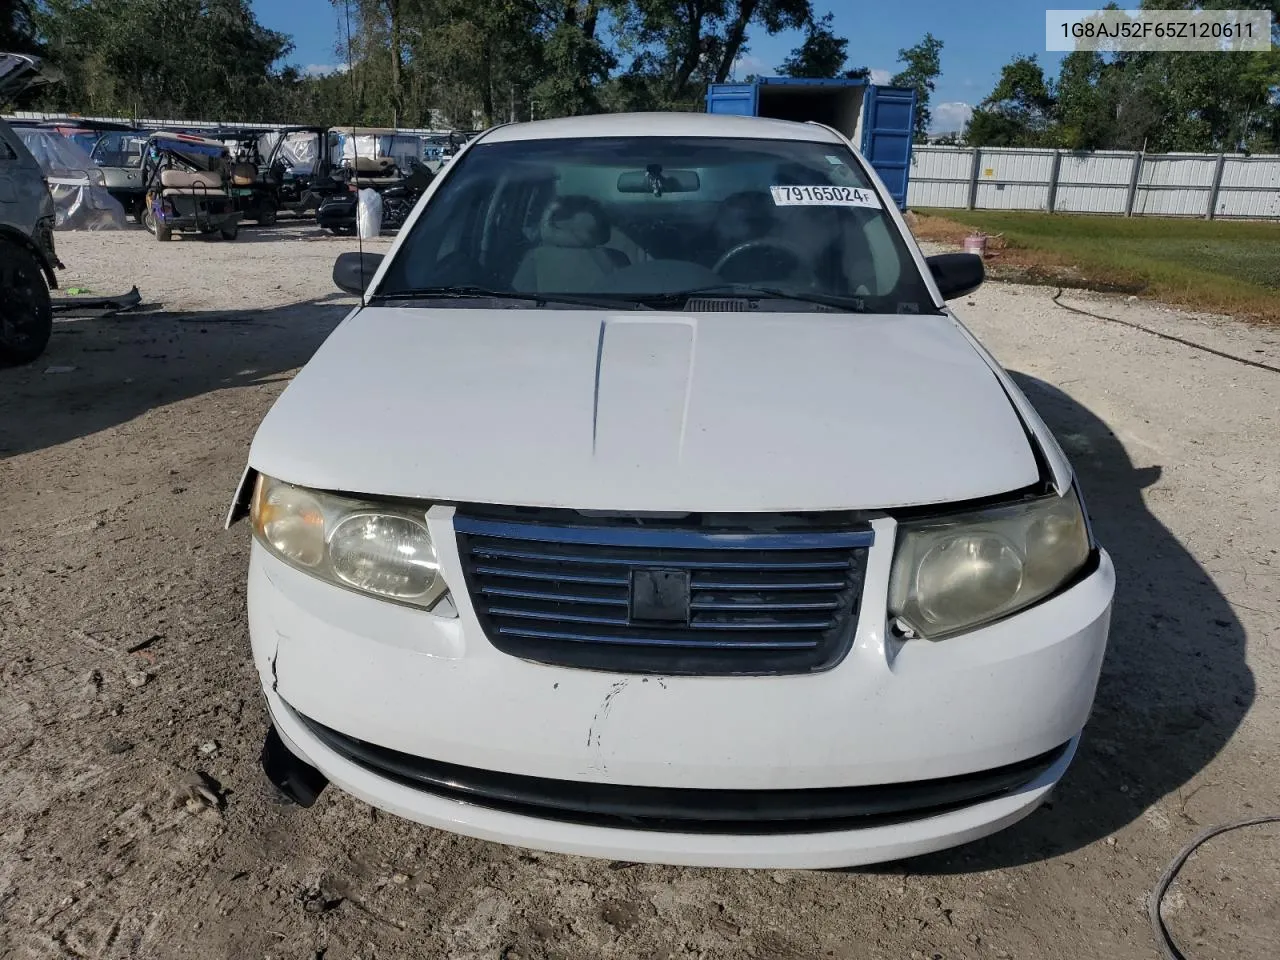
879	120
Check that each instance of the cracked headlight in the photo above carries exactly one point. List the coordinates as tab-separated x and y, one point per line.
381	549
954	573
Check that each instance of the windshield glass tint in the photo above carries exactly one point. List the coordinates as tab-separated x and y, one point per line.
646	216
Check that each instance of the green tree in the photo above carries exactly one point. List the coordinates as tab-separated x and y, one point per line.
678	46
822	54
1018	112
196	58
921	67
575	63
17	26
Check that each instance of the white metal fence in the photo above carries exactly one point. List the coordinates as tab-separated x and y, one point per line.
1105	181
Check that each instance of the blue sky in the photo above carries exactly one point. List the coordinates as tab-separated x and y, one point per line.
979	37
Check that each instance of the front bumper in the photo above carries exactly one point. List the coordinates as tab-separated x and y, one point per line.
889	713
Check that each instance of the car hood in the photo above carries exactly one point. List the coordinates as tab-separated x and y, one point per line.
648	411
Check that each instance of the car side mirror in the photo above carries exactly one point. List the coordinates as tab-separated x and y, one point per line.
956	273
353	271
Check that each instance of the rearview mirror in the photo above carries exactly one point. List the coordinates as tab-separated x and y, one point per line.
658	181
353	271
956	273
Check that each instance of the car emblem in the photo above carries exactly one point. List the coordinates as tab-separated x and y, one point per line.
660	595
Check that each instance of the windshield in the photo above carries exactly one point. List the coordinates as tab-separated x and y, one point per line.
119	149
648	219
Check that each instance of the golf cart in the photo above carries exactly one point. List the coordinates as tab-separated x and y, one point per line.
188	181
255	187
299	164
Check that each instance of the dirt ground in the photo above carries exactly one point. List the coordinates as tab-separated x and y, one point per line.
134	821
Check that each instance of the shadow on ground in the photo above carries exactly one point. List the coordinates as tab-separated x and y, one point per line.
98	373
1174	685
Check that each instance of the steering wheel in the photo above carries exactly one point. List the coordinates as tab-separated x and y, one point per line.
764	243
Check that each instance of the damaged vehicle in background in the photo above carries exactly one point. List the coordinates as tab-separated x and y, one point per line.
727	544
27	256
78	186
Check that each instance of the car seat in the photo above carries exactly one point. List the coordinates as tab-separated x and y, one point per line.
178	183
570	254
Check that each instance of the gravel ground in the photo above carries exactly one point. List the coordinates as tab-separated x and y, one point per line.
134	821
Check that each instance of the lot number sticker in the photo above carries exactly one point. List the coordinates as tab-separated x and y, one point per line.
824	197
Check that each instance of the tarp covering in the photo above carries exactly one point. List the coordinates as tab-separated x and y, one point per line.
298	153
405	149
80	199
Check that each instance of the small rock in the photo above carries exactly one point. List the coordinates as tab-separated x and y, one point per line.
315	900
725	928
209	747
935	903
195	792
780	876
1111	841
138	678
93	680
400	878
58	369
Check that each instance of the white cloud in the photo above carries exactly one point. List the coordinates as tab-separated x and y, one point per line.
950	117
880	76
323	69
747	64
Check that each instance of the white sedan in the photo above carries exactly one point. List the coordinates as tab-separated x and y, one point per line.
654	505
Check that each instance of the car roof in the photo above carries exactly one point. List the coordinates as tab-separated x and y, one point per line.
661	125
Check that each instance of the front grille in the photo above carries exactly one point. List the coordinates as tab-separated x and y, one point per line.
690	810
737	600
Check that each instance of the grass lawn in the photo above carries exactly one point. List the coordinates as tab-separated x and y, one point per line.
1216	265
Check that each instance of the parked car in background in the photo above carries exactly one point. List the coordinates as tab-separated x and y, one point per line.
85	133
655	505
27	255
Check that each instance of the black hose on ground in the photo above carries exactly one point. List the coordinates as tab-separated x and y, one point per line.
1164	939
1166	336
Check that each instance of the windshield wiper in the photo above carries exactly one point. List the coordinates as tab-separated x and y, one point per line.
601	302
749	292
